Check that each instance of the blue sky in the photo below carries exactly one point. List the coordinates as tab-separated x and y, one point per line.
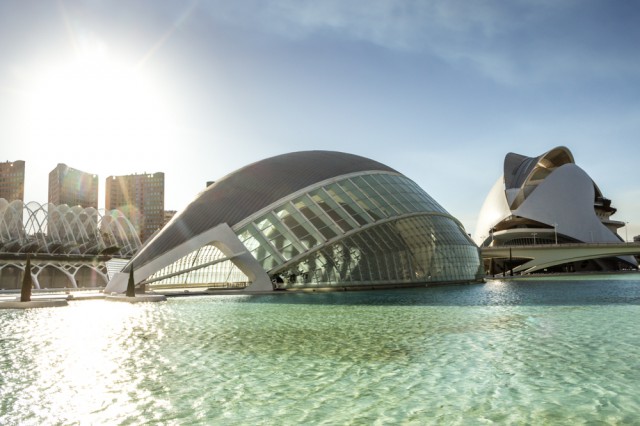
439	90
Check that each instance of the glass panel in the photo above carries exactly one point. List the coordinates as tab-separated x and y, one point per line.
417	249
414	249
348	204
255	243
331	207
355	194
247	239
223	274
268	263
315	216
374	197
360	198
306	235
289	252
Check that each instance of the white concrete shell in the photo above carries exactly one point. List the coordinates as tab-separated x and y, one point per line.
494	210
544	200
566	198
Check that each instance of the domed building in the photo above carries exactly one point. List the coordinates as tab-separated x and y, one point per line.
548	200
312	219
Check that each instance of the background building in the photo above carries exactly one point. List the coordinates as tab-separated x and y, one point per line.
12	180
73	187
141	198
69	246
168	215
549	201
308	220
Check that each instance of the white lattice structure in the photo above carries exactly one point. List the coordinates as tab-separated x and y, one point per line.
54	273
51	229
68	245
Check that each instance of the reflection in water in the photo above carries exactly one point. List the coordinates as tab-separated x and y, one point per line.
536	352
75	365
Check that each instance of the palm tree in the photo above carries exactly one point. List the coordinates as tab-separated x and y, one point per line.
27	282
131	285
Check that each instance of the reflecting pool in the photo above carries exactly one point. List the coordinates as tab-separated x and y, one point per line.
536	352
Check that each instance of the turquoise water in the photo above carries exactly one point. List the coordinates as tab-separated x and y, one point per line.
535	352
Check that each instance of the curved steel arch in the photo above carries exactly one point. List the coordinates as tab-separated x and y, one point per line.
51	229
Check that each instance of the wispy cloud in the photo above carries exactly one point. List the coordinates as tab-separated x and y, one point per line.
515	42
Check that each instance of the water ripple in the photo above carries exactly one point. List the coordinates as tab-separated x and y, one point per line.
292	360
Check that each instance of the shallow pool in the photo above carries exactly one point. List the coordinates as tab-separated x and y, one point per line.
537	352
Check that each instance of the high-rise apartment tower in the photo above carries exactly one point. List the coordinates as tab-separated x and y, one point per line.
12	180
73	187
141	198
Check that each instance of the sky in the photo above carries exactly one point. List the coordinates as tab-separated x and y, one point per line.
440	90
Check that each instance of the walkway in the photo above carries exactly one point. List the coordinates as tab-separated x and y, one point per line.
547	255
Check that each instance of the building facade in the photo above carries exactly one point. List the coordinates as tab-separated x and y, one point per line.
309	220
168	215
549	200
73	187
12	180
141	198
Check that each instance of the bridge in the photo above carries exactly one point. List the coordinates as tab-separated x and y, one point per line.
547	255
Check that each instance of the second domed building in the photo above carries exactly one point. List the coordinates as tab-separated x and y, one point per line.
549	200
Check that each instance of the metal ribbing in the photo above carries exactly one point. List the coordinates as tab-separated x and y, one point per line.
251	188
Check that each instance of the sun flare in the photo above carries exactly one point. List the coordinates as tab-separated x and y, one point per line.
96	99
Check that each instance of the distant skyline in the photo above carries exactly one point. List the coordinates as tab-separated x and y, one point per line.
439	90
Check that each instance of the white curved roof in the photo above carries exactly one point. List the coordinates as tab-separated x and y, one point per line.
549	189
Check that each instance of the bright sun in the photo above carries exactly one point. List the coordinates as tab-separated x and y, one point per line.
96	99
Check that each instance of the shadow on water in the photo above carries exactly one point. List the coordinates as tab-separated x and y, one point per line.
491	293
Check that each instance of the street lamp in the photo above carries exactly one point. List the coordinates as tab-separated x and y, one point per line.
555	232
534	237
626	235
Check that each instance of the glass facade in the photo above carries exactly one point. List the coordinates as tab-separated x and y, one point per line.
308	219
205	267
367	229
361	229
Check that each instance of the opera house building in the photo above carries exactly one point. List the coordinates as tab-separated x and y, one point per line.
550	205
69	246
308	220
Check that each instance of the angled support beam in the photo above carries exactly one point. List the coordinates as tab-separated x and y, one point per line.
222	237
